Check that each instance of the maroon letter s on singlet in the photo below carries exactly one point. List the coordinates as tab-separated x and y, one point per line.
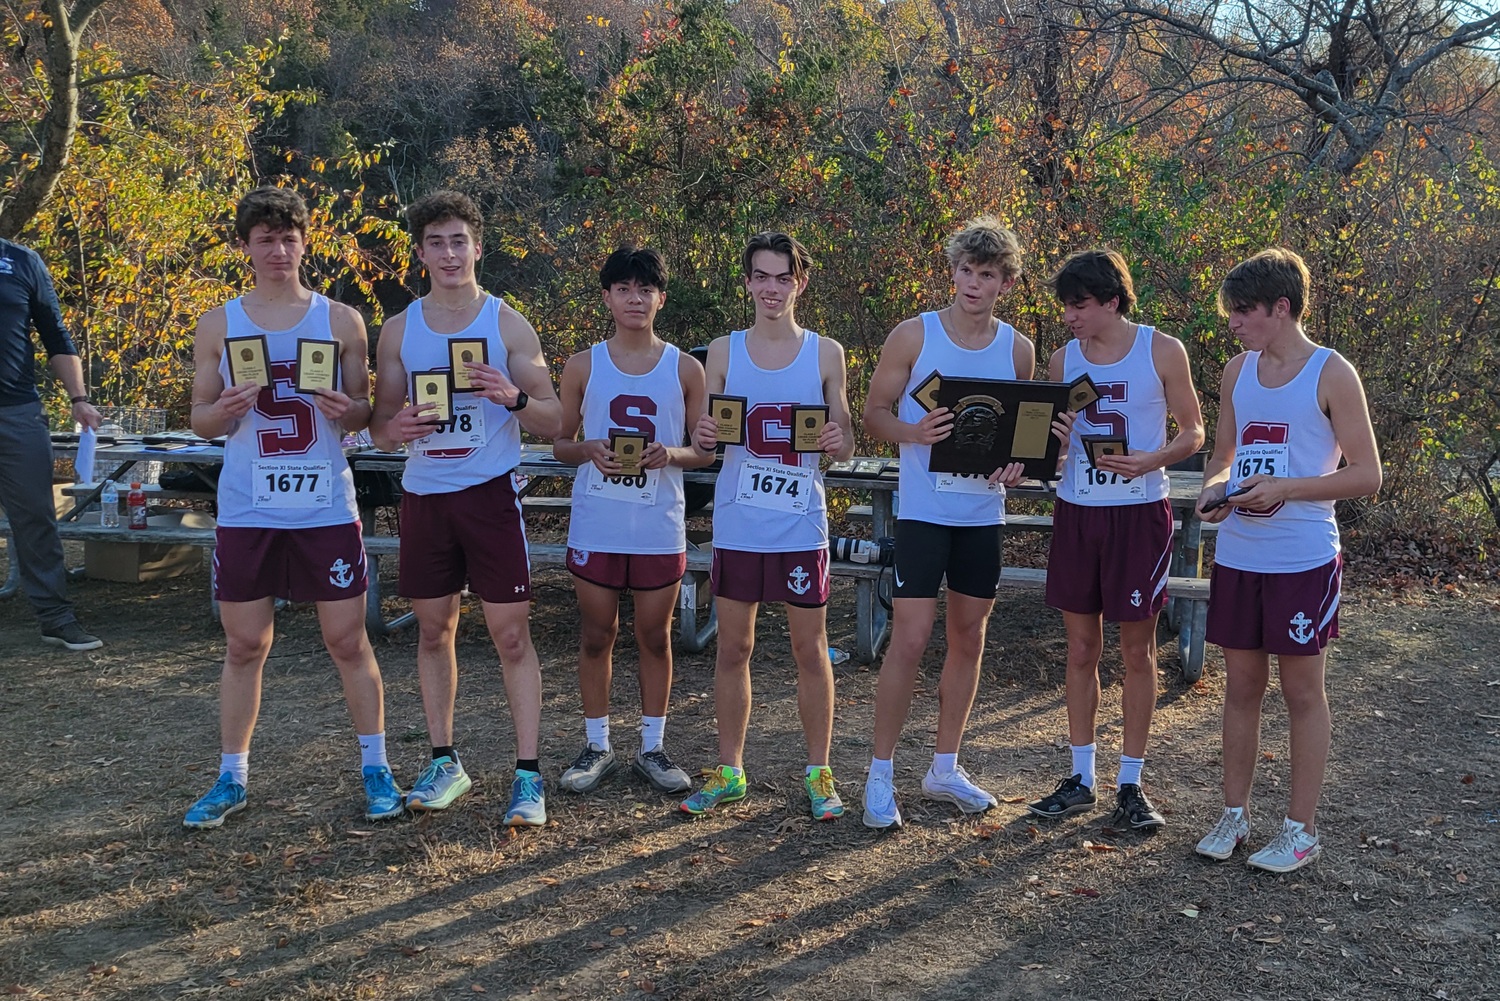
296	429
633	413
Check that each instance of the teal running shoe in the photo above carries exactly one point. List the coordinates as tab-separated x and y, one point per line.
439	785
528	803
727	785
383	799
226	797
821	794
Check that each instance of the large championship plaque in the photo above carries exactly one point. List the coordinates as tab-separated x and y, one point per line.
997	422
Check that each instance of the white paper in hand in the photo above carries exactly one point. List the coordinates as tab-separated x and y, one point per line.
83	464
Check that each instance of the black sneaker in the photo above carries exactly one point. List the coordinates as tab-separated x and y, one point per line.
1070	797
1135	809
72	636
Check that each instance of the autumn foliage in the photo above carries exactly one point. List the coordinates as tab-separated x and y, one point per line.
868	129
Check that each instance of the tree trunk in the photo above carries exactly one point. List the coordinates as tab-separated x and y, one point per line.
61	119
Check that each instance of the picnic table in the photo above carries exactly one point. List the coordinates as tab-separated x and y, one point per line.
873	477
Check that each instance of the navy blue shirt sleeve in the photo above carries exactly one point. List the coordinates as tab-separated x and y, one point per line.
27	299
46	312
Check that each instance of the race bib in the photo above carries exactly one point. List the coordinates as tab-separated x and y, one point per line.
1261	458
465	430
288	484
966	483
775	487
1101	484
625	489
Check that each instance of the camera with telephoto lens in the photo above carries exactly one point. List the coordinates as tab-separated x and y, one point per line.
881	552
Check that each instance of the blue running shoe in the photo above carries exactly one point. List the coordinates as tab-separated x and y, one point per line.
226	797
528	804
441	782
382	798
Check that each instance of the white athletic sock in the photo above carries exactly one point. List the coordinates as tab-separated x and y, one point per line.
882	768
945	764
372	750
598	731
1130	769
237	765
653	732
1083	762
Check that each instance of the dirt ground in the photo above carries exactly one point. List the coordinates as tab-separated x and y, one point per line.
103	894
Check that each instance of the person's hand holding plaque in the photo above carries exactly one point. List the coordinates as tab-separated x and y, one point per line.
1009	475
491	384
656	456
935	426
1062	430
433	392
1129	464
706	433
597	451
236	401
808	425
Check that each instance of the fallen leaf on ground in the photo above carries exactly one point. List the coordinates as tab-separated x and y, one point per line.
1085	891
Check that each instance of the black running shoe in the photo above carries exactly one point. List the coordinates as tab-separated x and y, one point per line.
1070	797
1133	808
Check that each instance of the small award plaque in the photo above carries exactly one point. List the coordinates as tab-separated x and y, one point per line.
1096	445
807	425
997	422
461	353
729	413
436	388
927	390
317	365
629	448
248	360
1081	393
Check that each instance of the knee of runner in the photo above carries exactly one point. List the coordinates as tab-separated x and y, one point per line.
596	640
512	641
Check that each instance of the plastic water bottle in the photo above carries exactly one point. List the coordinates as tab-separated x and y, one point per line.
135	503
109	505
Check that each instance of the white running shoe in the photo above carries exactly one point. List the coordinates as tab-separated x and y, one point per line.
957	788
1228	834
1292	849
881	810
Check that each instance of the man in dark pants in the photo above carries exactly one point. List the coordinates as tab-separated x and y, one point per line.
27	299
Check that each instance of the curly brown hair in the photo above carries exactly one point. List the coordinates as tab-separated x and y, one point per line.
276	208
441	206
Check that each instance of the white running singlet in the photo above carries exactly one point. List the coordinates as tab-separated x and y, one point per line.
945	499
284	464
1132	404
484	439
635	515
1282	432
769	499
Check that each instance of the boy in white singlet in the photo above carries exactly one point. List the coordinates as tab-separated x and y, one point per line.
628	532
771	514
1112	524
288	526
460	513
949	525
1289	410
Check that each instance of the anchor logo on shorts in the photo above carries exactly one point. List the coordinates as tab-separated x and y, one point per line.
340	574
580	557
1302	630
1135	598
799	581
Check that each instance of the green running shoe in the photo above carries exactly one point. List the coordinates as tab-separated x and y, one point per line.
821	795
441	782
726	786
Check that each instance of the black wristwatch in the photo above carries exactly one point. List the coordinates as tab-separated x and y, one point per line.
521	400
79	399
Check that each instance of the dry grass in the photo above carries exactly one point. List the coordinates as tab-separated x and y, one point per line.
104	895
